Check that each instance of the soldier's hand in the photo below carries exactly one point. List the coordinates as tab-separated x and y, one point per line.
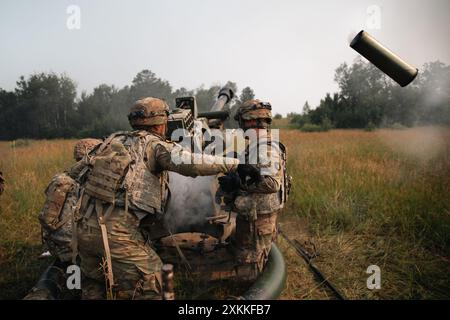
230	182
250	171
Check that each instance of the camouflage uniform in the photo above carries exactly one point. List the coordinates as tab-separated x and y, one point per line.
258	202
83	147
135	265
56	216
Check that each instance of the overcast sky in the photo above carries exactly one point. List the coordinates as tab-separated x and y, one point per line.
286	51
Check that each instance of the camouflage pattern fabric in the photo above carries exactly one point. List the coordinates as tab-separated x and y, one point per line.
254	109
83	147
135	265
252	242
257	207
56	215
148	112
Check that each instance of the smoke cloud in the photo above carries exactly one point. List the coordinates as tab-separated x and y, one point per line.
191	200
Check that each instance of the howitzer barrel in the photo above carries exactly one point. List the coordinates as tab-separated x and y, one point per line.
384	59
225	95
222	114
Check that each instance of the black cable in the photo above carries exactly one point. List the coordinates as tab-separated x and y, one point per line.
302	252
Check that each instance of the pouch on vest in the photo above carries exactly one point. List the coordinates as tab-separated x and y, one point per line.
61	186
62	195
109	168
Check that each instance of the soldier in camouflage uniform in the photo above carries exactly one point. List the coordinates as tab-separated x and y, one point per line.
127	183
56	217
260	196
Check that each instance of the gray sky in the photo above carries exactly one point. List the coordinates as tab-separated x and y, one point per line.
286	51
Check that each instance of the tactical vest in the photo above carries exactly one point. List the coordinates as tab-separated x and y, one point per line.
120	175
266	203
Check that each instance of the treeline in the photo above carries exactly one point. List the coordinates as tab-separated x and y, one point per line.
367	98
45	105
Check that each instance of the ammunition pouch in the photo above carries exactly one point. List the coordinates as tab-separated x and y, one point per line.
109	169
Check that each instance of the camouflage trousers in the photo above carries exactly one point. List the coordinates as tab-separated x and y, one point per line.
251	243
136	266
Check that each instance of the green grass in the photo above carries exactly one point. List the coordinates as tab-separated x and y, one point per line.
362	198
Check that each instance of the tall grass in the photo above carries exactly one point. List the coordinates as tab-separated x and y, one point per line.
376	198
363	198
27	166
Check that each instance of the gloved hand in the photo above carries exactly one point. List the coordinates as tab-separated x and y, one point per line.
248	170
230	182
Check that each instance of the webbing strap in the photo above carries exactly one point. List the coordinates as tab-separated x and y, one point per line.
101	222
62	222
109	139
74	241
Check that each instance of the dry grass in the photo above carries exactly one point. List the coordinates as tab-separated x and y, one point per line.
363	198
27	166
371	198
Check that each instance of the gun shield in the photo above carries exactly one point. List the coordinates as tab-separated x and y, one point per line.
384	59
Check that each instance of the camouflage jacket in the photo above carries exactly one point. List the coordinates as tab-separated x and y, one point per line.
266	195
144	186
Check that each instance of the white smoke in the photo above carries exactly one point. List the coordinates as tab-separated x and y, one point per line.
423	143
192	200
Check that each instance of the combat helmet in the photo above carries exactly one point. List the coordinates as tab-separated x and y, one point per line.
83	147
255	109
148	112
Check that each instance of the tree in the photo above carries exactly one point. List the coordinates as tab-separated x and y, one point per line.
306	108
206	97
434	93
246	94
8	116
102	112
146	84
45	106
182	92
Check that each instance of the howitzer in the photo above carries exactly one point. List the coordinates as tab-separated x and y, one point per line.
202	246
185	116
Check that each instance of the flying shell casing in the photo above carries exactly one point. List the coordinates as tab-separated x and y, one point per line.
384	59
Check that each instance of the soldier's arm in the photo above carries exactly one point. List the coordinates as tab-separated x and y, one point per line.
168	156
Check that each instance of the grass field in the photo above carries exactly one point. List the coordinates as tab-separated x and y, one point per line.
362	198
